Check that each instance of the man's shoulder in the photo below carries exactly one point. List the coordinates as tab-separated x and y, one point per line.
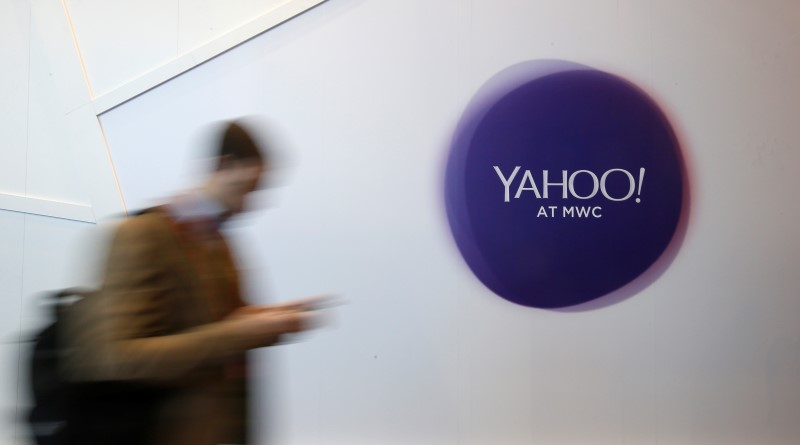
143	224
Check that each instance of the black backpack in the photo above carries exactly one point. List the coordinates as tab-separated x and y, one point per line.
70	413
48	417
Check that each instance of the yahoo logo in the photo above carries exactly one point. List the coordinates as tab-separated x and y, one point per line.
597	185
563	184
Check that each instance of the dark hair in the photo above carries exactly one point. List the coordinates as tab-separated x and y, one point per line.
236	144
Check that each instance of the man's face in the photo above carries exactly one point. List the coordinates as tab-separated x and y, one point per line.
236	180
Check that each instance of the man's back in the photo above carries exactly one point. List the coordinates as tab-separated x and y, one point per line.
169	317
155	322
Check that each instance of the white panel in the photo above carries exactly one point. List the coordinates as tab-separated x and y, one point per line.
51	169
130	47
15	35
204	20
150	147
55	86
122	40
366	103
12	234
93	161
730	96
11	430
200	54
54	251
55	61
572	30
46	207
53	258
165	147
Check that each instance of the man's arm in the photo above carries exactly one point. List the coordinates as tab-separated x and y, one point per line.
125	330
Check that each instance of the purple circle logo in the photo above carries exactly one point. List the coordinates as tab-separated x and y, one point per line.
563	184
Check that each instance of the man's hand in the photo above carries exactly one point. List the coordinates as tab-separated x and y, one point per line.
313	303
260	326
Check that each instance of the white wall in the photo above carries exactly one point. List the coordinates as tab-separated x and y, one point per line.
364	96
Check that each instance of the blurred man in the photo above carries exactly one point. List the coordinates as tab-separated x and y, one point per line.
165	337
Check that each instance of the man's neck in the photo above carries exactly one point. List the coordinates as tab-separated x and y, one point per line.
196	205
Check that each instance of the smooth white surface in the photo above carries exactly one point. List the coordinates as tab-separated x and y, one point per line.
121	40
201	21
56	65
46	207
92	160
15	33
203	31
423	353
12	236
40	169
49	164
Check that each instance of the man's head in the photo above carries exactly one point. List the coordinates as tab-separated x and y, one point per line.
239	166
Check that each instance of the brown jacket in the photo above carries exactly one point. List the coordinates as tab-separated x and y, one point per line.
158	319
